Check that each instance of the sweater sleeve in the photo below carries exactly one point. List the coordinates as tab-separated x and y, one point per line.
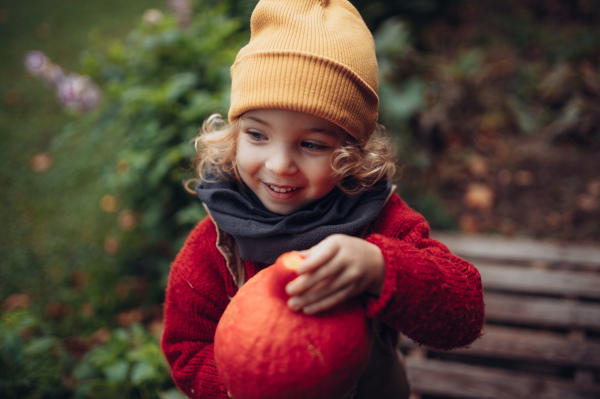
430	295
195	300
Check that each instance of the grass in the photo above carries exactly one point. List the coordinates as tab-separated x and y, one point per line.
51	221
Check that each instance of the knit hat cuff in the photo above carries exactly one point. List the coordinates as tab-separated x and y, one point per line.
304	82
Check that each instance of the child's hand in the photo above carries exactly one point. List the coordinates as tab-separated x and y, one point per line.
338	268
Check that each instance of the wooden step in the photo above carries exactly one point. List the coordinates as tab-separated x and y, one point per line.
542	312
542	332
535	346
498	276
518	249
458	380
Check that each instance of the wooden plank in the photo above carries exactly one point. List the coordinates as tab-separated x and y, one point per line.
529	345
542	312
436	377
518	249
554	282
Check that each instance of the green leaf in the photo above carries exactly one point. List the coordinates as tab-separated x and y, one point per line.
41	345
399	105
525	120
142	372
172	393
191	214
393	38
12	347
117	372
179	84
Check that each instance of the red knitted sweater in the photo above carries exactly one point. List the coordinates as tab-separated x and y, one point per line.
429	295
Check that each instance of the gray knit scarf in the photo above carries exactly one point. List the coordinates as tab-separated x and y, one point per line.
262	235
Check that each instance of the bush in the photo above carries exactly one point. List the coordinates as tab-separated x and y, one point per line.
118	363
158	85
128	365
32	361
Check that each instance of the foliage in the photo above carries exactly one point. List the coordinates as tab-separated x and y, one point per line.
455	76
420	14
31	365
442	92
160	84
128	365
119	363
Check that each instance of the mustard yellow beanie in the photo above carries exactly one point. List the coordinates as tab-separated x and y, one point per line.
312	56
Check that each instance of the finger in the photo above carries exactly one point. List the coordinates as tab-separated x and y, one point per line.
298	285
329	301
347	280
316	293
324	289
309	293
307	281
318	255
313	293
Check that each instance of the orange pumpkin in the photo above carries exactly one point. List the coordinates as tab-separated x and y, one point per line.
264	349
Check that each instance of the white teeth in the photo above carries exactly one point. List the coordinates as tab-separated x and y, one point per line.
281	190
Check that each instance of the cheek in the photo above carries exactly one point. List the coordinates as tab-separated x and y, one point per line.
322	176
246	159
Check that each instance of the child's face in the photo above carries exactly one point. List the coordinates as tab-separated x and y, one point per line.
284	157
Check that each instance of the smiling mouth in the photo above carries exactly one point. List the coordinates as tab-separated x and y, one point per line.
278	189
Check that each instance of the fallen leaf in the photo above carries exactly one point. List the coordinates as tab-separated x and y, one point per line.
504	177
554	219
156	328
101	336
593	187
479	196
468	224
76	346
129	317
16	301
87	310
41	162
109	203
79	278
587	202
13	98
123	167
127	220
478	166
111	245
57	310
524	178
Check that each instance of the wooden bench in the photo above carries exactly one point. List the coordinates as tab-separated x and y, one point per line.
542	332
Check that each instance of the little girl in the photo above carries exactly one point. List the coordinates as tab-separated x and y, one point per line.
302	165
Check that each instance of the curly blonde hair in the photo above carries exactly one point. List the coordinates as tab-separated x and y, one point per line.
355	168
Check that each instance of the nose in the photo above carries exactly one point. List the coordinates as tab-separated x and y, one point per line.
281	162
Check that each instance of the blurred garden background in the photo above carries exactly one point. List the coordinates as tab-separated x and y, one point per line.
494	106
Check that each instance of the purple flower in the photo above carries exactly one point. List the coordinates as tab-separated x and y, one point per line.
36	62
39	65
183	10
152	17
73	91
78	92
53	75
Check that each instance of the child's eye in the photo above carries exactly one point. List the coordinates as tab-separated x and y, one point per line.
312	146
255	136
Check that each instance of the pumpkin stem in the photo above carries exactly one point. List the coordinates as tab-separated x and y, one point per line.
292	260
285	270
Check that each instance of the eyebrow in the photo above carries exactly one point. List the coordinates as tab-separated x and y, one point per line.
255	119
312	129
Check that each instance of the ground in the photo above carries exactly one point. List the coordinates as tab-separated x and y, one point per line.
523	186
